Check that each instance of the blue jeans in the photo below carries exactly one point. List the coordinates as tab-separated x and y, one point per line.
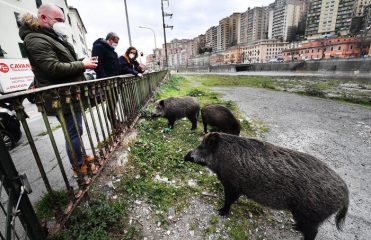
70	125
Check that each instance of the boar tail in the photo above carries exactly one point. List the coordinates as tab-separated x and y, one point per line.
340	216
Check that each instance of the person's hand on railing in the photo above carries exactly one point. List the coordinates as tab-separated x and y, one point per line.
89	63
140	75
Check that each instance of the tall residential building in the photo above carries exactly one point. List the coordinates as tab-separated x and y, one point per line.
211	38
314	13
286	17
344	16
278	19
254	24
270	20
234	29
223	35
329	13
359	7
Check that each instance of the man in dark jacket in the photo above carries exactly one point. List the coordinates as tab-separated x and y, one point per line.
108	64
54	61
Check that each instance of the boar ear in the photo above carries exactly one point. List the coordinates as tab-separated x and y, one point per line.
161	103
212	140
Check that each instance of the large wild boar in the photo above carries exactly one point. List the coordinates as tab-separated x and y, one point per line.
275	177
175	108
220	118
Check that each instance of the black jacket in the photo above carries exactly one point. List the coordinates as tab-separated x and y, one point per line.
108	64
128	67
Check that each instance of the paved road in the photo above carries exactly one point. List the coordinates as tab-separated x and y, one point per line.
337	133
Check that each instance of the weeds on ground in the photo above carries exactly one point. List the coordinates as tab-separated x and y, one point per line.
157	174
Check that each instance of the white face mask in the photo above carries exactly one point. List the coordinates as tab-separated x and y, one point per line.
131	56
114	45
61	29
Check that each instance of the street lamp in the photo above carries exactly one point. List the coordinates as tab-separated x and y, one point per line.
154	35
154	50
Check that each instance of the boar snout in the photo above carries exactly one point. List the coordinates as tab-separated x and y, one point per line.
188	157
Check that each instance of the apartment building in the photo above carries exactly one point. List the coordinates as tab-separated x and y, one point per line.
232	55
359	7
262	51
328	17
313	18
211	38
222	39
254	24
10	43
286	17
234	29
344	16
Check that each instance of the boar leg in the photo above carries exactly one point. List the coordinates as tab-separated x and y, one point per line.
205	126
193	121
230	196
309	229
171	122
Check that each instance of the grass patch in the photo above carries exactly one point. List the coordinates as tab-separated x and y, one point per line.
100	219
155	173
44	207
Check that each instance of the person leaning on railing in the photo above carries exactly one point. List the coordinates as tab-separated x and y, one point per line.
54	61
129	64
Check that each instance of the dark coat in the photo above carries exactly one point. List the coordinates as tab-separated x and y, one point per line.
127	67
108	64
53	60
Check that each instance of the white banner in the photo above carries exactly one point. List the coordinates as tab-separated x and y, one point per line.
15	75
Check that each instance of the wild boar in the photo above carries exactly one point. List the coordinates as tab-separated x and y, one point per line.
220	118
274	177
175	108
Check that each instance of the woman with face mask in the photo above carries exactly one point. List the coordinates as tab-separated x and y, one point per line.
129	64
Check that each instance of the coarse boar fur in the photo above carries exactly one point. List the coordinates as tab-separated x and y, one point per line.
220	118
275	177
175	108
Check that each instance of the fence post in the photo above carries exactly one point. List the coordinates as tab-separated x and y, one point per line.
12	185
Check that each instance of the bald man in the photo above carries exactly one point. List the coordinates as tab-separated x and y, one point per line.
54	61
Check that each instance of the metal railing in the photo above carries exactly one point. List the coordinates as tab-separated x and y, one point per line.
109	108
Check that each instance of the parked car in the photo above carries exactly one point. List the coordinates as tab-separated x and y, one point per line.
10	127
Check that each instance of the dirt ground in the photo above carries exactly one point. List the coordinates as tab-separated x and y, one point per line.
337	133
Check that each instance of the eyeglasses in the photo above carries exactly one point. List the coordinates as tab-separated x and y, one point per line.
133	52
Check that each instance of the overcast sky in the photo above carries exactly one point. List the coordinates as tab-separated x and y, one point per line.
190	19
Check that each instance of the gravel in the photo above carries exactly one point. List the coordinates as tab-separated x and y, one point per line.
337	133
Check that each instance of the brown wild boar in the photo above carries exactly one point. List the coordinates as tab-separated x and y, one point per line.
220	118
175	108
275	177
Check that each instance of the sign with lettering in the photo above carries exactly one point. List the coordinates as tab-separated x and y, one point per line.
15	75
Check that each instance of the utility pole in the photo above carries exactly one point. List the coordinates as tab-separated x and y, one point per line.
164	27
127	22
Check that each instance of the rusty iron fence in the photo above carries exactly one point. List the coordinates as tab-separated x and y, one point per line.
109	107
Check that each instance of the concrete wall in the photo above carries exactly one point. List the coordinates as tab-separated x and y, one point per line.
341	65
362	65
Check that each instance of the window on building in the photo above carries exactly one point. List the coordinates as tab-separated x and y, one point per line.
340	48
351	46
38	3
22	49
69	19
16	15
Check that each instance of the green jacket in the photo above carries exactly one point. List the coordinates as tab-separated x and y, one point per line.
53	60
